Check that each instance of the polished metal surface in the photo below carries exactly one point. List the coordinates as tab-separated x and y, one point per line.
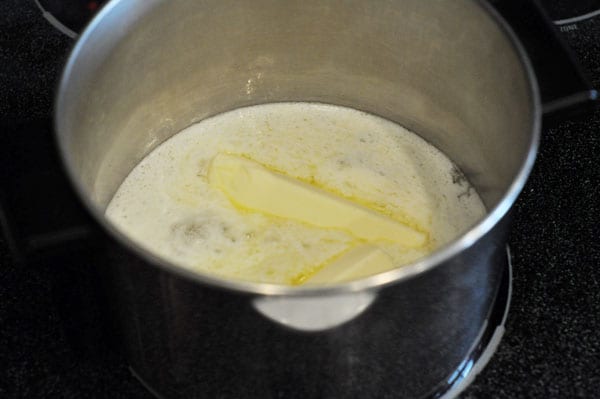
146	69
448	69
188	341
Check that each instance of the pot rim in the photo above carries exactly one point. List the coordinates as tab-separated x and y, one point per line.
402	273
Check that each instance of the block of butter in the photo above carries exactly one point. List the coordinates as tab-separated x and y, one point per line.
359	261
251	186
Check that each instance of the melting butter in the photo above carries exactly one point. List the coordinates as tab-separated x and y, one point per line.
254	187
401	187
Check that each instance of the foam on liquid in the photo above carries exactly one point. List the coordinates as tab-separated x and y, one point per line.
167	205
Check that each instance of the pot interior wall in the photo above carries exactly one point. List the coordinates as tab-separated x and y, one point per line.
444	69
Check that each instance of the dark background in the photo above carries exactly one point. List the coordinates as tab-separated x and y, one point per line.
551	349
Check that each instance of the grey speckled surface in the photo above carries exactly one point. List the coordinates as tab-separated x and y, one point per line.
551	348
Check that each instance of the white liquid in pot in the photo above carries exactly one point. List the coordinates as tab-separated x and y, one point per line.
168	205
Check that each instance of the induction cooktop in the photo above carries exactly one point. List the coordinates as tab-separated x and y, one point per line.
69	17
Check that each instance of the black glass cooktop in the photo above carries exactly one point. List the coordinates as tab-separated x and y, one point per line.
48	314
69	16
568	11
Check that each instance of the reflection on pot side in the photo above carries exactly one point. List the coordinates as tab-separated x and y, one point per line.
369	171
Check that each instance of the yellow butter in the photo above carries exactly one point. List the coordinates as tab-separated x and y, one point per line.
360	261
252	186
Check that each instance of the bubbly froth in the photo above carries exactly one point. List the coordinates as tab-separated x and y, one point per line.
169	207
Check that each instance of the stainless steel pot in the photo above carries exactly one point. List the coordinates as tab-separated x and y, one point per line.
450	70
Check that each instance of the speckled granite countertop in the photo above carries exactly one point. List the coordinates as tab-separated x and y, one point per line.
551	348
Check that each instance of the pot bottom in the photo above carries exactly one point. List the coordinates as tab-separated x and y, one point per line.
481	351
486	343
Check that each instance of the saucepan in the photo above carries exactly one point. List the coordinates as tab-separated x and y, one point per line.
462	74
